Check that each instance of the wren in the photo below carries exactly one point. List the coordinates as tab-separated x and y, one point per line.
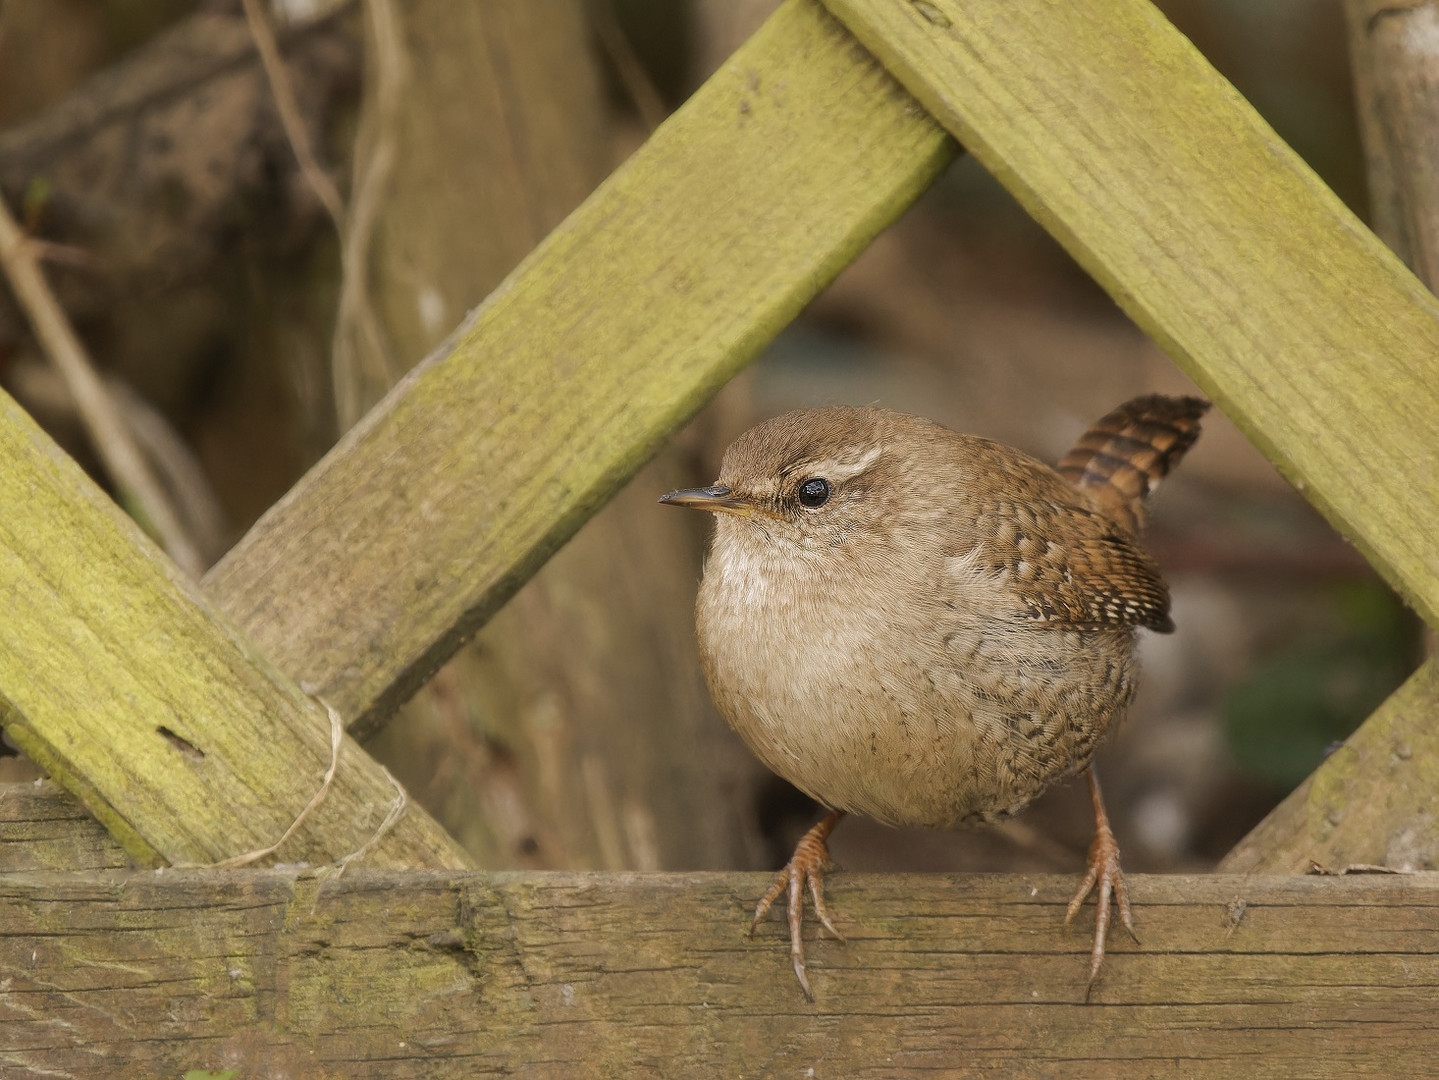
930	628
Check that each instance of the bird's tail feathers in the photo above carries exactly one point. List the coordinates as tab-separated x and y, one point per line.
1124	455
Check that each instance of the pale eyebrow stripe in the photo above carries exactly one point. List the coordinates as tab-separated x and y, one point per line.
842	469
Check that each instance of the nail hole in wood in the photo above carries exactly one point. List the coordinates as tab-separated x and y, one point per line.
185	746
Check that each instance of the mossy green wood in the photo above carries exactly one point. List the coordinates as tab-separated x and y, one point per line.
42	827
1160	179
443	500
426	974
121	681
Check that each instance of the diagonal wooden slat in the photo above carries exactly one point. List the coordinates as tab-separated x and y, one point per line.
447	496
123	683
563	975
1376	800
1373	801
1122	140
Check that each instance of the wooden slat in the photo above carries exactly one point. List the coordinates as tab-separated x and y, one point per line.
1374	800
42	827
123	684
1169	188
426	974
431	512
1392	50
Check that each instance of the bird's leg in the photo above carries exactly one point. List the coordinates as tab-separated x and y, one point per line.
1105	873
805	867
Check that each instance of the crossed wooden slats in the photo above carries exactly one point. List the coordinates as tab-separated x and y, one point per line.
1096	113
448	495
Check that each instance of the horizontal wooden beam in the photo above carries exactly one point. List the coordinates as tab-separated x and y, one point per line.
664	283
423	973
1122	140
42	827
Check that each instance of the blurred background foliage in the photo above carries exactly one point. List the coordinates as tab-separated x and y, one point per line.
1301	695
202	272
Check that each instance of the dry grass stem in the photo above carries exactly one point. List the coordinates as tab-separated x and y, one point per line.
283	91
44	393
115	443
631	71
337	740
361	361
360	354
398	806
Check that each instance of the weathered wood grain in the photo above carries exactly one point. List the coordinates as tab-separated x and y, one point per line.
121	681
1396	83
1121	139
447	974
42	827
708	241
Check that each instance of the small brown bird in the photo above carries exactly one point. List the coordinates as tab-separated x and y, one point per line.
931	628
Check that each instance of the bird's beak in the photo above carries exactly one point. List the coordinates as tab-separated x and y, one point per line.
716	498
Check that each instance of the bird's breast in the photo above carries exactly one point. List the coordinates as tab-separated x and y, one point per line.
892	702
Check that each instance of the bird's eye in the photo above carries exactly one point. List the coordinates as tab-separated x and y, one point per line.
814	492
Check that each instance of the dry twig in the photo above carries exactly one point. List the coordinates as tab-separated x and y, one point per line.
648	101
283	91
360	355
114	442
44	393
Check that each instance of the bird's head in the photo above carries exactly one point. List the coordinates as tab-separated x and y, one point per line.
818	480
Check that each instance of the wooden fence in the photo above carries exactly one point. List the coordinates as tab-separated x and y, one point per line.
196	723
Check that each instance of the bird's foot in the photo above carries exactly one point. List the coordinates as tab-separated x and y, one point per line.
1107	880
805	868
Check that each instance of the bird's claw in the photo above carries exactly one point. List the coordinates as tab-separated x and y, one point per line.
805	868
1107	880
